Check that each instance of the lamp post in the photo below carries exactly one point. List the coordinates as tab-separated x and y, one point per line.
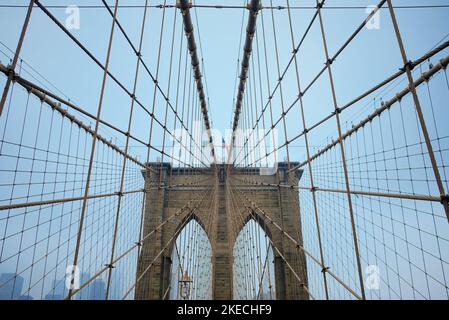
184	286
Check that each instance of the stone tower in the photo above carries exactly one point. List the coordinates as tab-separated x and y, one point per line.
278	203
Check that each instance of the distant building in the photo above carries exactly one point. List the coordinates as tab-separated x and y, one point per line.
97	290
12	285
57	290
84	293
51	296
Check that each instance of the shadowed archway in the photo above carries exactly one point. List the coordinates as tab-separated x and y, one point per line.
191	258
253	262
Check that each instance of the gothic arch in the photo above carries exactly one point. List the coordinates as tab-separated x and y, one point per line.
184	221
259	219
215	217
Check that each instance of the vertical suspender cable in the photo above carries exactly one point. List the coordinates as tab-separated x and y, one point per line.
254	8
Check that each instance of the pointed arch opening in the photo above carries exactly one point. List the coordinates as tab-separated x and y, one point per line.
191	267
253	262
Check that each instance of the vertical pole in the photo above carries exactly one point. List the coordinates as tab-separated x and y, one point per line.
306	139
122	178
342	150
152	116
94	140
16	57
168	179
408	70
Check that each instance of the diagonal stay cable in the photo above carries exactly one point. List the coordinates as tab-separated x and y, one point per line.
114	78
